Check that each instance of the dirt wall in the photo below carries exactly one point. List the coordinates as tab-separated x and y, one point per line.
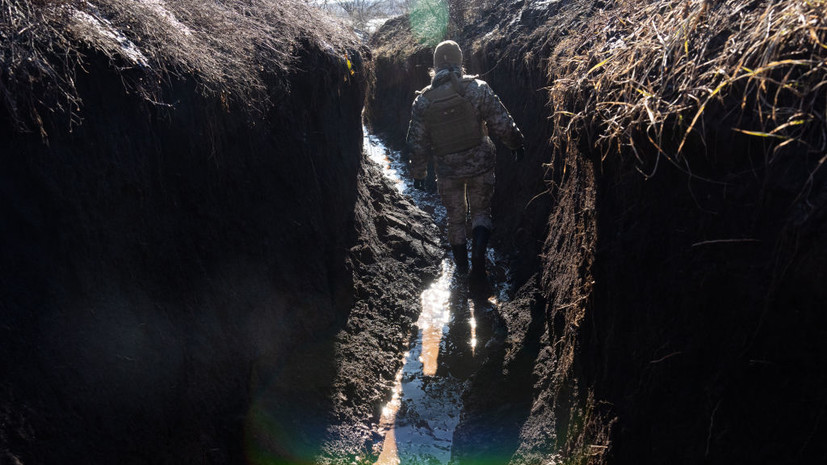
154	256
402	69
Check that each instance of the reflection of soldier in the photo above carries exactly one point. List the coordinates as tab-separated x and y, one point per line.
450	122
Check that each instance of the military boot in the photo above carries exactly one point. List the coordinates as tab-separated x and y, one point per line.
478	250
461	257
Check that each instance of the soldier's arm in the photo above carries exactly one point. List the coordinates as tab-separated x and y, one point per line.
499	121
417	140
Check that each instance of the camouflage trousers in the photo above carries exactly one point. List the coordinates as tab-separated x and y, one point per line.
462	196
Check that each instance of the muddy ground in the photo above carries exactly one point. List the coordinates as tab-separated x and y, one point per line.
398	254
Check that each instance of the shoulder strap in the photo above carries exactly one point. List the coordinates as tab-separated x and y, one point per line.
465	81
458	86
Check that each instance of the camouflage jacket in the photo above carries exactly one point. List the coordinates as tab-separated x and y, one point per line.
496	120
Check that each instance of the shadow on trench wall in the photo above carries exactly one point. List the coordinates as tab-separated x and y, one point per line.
162	267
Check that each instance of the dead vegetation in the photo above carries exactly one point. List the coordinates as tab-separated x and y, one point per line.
722	100
653	77
394	41
237	49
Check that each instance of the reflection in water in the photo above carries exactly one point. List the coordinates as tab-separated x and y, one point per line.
419	421
390	454
472	322
379	155
435	315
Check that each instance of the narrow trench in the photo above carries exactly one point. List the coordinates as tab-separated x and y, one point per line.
418	423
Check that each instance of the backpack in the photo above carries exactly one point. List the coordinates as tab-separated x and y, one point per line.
451	120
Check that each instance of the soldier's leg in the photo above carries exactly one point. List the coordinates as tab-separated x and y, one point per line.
480	193
452	193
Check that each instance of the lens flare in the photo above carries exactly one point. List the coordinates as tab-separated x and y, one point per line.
429	21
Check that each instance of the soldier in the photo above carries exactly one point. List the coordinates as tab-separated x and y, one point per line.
450	121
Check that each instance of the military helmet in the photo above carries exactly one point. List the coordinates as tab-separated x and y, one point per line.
447	53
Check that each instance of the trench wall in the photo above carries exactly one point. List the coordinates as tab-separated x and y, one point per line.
164	263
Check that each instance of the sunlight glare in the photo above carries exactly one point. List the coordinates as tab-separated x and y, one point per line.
429	21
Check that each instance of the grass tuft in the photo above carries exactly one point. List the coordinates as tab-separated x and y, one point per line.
670	68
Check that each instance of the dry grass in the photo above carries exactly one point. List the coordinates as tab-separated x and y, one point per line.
670	68
395	42
236	48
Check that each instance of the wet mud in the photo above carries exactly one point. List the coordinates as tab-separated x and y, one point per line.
457	331
398	254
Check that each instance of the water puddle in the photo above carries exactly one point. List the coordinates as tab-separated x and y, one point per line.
435	315
391	168
396	170
419	421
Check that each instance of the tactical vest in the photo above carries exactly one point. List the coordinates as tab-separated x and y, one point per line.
451	119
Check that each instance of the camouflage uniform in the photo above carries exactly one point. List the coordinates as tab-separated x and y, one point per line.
473	168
